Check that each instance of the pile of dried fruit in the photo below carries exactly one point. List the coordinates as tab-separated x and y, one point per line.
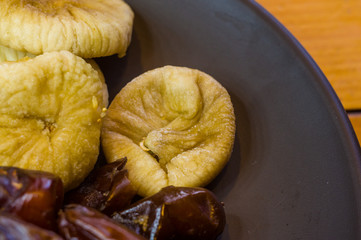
102	207
173	129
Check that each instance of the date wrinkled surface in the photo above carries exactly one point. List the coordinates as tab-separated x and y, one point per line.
32	207
176	213
80	222
12	228
33	196
106	189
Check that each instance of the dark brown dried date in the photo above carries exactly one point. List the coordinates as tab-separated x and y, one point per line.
12	228
176	213
106	189
34	196
79	222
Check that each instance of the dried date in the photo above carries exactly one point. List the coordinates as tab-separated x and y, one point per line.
80	222
12	228
106	189
34	196
176	213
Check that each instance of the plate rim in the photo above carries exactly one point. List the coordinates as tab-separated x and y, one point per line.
347	135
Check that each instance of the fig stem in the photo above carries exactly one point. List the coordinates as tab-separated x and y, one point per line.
144	148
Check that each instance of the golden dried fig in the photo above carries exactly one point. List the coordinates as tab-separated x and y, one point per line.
87	28
9	54
50	115
175	125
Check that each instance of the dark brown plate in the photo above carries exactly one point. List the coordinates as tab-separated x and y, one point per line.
295	169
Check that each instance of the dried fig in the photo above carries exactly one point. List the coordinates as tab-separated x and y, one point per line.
175	125
87	28
50	115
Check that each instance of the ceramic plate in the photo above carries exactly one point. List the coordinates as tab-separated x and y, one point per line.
295	168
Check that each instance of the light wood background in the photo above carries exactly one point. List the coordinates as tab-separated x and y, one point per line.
330	30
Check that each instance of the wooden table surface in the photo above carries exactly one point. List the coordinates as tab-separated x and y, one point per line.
330	30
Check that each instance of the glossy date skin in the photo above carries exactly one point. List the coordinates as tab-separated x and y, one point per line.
80	222
12	228
33	196
176	213
106	189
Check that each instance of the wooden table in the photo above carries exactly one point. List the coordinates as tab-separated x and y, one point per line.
330	30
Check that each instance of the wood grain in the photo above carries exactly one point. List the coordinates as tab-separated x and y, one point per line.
330	30
355	119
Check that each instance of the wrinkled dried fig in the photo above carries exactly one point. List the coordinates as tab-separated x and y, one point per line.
50	115
175	125
87	28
